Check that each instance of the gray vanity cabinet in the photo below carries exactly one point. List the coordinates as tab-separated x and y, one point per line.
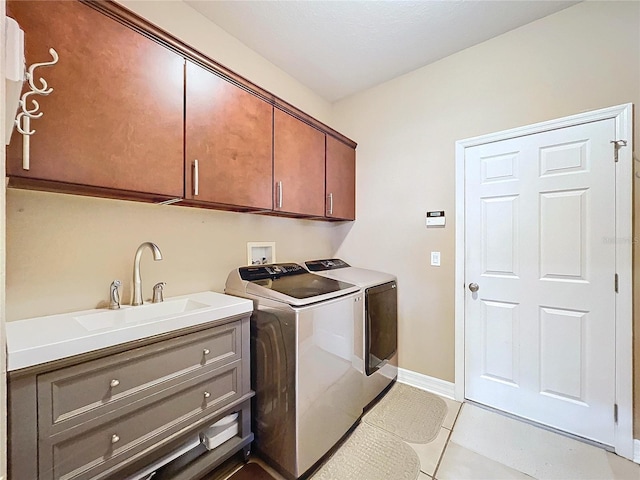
109	414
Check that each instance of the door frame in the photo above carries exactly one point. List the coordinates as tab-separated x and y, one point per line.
622	114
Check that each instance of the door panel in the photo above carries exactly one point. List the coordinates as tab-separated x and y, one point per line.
341	180
562	336
500	325
115	116
563	256
298	166
500	245
539	332
229	132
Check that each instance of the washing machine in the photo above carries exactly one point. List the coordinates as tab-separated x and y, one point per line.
378	321
304	366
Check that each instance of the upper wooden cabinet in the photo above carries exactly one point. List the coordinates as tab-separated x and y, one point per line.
230	133
340	180
129	117
298	167
115	117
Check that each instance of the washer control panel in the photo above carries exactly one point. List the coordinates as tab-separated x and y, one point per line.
275	270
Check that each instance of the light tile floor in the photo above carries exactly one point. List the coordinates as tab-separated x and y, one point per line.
478	444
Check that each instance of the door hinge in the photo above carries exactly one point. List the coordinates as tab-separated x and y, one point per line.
617	145
616	282
615	412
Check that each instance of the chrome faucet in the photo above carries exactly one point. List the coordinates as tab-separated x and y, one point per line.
136	296
114	295
157	292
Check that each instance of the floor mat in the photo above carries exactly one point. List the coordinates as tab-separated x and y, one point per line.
251	471
412	414
372	454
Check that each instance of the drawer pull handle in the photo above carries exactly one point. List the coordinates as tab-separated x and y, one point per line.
115	438
114	383
207	394
206	351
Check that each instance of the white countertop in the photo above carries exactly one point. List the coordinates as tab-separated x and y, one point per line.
44	339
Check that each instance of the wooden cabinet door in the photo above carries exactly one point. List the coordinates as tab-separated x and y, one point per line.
115	117
230	133
341	180
298	166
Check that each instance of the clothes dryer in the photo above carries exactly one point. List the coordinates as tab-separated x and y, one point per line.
377	328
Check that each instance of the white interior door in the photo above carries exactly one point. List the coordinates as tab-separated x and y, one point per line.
540	245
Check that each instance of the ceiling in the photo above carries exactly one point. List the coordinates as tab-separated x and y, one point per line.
340	47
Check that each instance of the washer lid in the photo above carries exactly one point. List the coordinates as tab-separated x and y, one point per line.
292	284
340	270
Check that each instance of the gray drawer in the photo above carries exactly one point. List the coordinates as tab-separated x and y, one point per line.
73	395
94	452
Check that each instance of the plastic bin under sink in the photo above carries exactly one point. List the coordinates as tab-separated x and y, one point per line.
221	431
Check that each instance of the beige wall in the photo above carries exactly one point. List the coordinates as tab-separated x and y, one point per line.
63	251
583	58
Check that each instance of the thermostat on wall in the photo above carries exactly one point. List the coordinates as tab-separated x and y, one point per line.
436	219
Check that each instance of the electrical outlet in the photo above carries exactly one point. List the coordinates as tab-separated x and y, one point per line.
435	259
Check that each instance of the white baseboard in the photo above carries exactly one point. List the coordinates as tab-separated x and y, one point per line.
636	450
425	382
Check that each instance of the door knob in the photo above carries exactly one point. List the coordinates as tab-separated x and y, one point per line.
474	287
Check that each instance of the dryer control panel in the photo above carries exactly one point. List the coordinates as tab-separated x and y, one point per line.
328	264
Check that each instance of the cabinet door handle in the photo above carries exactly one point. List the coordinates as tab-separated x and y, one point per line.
207	394
279	189
330	212
26	142
196	179
114	438
206	351
114	383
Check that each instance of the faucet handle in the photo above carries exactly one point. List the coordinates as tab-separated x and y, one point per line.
114	295
158	289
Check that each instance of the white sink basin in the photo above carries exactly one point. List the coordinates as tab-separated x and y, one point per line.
44	339
149	312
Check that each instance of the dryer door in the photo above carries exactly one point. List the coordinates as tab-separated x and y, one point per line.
381	328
